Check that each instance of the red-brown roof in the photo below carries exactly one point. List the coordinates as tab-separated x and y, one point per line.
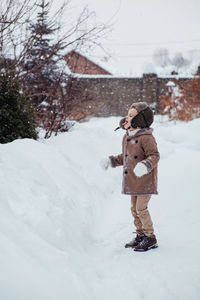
80	64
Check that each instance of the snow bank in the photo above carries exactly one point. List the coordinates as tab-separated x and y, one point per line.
64	221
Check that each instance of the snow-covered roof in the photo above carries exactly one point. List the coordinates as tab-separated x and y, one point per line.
95	63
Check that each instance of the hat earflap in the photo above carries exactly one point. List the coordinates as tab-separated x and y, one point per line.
143	119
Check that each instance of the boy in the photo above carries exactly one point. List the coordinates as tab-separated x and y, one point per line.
139	158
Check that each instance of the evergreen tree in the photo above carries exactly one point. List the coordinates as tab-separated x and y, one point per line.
45	79
42	56
16	115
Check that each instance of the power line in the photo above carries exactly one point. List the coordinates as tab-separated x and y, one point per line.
157	43
137	55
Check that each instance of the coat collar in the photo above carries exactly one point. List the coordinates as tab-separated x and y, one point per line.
139	132
133	132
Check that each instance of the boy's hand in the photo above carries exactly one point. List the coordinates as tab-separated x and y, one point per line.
140	169
105	163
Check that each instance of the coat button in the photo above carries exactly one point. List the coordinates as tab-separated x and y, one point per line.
126	172
135	156
136	141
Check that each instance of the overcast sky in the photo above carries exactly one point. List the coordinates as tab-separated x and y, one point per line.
141	26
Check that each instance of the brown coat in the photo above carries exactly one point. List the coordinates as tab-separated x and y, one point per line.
140	147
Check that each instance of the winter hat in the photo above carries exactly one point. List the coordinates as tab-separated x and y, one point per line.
139	106
144	118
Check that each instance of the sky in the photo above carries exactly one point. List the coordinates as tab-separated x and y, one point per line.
139	27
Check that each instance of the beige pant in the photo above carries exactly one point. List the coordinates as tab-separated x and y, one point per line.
142	218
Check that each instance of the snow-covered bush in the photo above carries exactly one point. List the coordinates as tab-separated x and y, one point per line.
181	102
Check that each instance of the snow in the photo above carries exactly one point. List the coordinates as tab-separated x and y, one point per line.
64	221
170	84
178	76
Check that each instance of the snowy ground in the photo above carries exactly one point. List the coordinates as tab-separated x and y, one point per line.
64	221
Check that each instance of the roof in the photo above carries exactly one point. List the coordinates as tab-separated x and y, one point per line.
81	64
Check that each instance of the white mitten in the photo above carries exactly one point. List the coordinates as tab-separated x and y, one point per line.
140	169
105	163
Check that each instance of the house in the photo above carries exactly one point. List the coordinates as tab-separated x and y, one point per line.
80	64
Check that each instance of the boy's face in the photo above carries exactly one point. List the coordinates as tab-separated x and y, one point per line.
131	113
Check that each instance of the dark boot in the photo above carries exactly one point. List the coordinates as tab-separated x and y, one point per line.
146	244
135	241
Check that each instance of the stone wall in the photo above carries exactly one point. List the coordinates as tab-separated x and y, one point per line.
112	96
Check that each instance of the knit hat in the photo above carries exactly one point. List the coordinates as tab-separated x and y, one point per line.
139	106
